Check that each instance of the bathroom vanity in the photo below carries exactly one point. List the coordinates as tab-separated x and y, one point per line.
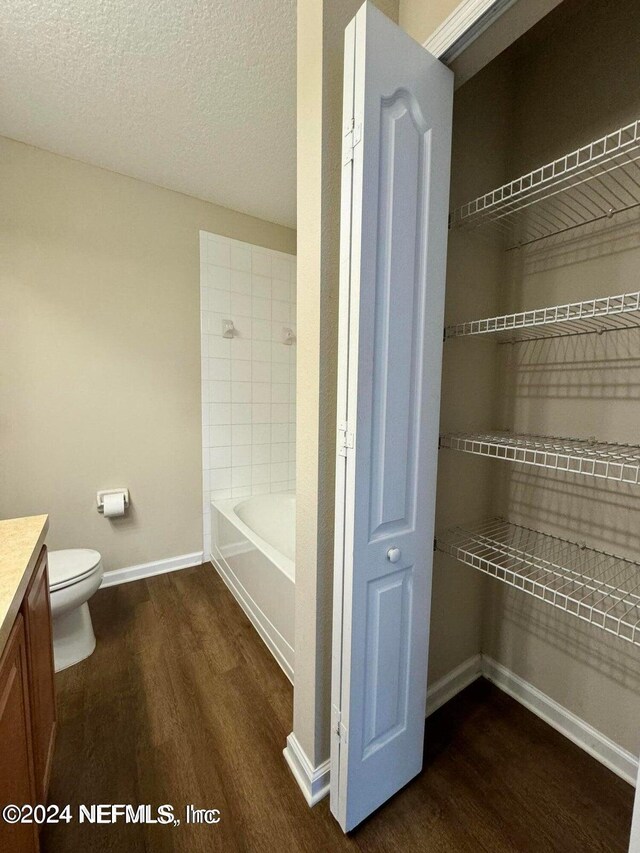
27	693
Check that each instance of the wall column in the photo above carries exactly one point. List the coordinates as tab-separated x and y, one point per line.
321	25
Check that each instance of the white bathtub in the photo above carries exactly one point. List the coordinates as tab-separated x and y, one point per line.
253	549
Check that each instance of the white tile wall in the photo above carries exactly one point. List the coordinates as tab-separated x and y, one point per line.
248	382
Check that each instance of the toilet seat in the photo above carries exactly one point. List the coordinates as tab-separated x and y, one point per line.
70	566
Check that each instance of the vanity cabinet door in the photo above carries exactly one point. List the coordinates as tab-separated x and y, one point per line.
37	616
16	765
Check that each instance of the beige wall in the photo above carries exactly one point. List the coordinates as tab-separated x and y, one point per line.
321	25
421	17
475	268
100	351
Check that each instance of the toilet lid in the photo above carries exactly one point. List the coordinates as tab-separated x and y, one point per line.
71	565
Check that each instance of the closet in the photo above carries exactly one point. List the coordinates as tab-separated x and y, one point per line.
545	231
536	562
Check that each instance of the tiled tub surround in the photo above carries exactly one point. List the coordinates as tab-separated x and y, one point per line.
248	381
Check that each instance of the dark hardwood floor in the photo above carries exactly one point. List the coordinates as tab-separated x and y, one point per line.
182	703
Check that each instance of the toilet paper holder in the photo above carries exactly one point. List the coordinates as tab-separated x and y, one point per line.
100	496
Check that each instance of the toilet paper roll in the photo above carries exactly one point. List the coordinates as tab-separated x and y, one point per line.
114	505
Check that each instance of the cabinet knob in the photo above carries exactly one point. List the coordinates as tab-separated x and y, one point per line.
393	555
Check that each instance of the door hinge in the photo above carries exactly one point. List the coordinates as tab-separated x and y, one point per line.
339	730
336	716
352	136
346	439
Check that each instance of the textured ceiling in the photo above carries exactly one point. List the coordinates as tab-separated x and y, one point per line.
194	95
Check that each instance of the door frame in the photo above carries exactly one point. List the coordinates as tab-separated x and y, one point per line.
463	26
472	19
478	30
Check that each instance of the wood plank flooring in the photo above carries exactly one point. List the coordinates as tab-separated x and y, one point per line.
182	703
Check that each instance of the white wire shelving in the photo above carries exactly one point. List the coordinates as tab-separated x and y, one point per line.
592	183
605	314
618	462
595	586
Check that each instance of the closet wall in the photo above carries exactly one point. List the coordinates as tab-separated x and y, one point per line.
475	267
572	79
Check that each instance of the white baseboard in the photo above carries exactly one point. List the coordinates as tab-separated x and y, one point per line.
148	570
598	745
313	781
453	682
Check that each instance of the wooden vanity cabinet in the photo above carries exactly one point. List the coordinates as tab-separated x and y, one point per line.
27	708
17	777
36	610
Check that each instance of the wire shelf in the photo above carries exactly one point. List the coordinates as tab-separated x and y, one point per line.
599	588
589	184
605	314
619	462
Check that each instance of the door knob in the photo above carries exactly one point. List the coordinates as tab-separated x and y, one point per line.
393	555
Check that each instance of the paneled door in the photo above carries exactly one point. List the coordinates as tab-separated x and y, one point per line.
395	187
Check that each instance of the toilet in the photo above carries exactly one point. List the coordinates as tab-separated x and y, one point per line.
74	575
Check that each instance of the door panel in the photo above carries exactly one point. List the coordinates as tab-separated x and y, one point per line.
404	145
398	102
386	685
